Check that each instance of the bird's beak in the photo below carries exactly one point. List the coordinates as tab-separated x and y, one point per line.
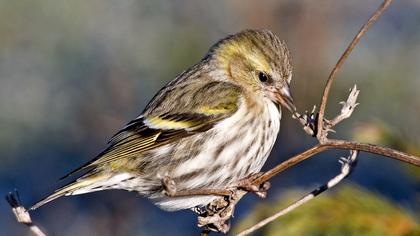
285	99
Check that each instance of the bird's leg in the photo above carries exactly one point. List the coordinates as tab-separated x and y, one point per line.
214	216
248	185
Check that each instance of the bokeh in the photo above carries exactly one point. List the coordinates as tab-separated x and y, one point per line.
73	72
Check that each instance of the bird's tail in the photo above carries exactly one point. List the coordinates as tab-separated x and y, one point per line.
85	184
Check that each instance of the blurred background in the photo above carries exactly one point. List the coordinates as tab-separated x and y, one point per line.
73	72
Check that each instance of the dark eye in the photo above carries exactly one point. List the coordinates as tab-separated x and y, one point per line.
263	77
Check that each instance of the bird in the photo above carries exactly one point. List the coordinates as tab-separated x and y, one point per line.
212	126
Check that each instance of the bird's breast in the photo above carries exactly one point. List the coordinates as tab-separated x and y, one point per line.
219	158
234	148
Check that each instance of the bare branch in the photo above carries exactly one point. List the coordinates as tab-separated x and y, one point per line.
347	165
21	214
339	144
321	135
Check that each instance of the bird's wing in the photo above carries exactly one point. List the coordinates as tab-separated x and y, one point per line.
208	103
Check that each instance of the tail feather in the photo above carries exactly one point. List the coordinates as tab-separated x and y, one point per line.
82	185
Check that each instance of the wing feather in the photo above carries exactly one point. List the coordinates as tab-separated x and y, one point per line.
154	129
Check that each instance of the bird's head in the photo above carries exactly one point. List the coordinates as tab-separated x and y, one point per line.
259	62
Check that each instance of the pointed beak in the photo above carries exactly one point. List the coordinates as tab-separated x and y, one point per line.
286	100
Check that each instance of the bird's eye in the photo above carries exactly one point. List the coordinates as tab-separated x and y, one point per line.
263	77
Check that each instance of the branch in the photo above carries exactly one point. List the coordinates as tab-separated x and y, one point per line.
309	120
347	166
321	132
338	144
21	214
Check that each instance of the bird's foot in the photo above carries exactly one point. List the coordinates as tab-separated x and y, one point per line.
248	185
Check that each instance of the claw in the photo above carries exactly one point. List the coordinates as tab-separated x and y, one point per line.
248	185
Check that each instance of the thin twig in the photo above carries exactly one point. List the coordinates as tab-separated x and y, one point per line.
346	110
347	166
321	136
21	214
339	144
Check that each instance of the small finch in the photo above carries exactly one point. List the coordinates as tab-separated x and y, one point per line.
211	127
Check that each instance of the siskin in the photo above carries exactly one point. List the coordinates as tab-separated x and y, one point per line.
212	126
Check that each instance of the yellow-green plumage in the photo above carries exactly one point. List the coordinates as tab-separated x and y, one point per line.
211	126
